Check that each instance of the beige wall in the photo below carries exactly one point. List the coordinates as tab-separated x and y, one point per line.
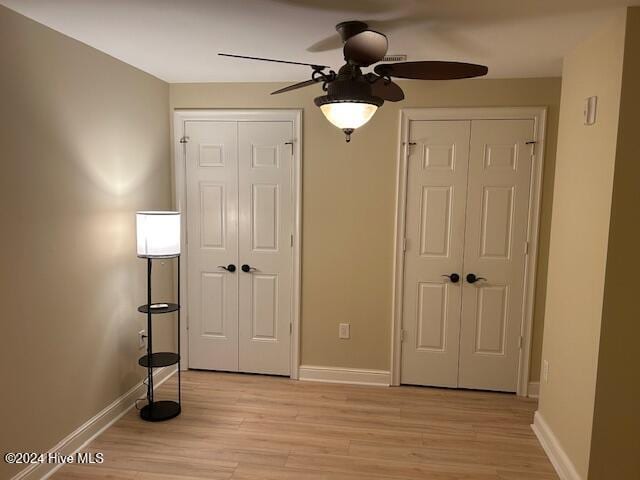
579	236
349	204
84	145
615	447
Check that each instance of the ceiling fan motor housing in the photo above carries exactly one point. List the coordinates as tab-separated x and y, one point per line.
348	29
349	86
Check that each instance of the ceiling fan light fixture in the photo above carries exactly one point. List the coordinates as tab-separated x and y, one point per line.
349	102
348	115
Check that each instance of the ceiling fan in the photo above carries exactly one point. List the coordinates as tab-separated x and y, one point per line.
352	97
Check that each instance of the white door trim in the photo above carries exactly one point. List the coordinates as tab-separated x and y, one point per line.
180	116
538	115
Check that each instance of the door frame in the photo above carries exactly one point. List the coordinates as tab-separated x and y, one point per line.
538	115
180	116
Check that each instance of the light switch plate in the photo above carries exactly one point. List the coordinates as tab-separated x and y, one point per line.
344	330
590	108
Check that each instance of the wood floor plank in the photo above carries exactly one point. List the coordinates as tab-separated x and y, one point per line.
392	468
93	472
336	434
245	472
256	427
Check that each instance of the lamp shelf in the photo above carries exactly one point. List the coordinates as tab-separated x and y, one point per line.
171	307
159	359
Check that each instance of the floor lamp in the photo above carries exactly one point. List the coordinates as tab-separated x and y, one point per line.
158	237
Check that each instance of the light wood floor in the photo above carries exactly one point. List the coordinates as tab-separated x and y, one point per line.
249	427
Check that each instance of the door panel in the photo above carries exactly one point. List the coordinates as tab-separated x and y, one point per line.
212	179
435	221
495	222
431	316
490	319
266	207
436	200
213	302
264	217
495	239
264	314
212	215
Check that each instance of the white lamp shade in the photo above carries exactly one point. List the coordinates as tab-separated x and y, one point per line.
348	114
158	234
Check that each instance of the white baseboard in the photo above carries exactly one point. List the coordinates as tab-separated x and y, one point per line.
558	457
80	437
355	376
533	390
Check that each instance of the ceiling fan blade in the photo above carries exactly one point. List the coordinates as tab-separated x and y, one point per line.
328	43
431	70
295	86
312	65
385	89
366	48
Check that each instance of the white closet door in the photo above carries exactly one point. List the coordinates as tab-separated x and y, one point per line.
495	248
265	219
212	233
435	221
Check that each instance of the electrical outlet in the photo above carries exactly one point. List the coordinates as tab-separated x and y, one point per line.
142	338
344	330
545	371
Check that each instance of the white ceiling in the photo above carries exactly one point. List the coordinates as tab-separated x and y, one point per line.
177	40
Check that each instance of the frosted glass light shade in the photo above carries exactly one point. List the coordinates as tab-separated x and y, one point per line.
348	115
158	234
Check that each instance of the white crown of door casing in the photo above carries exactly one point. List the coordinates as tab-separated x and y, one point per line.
181	116
538	115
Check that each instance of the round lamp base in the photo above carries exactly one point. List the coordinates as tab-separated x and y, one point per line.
159	411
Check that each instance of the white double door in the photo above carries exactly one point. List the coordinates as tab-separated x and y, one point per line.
239	213
467	214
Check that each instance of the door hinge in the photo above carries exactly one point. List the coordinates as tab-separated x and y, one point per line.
526	248
291	144
520	342
292	239
533	144
290	328
403	335
404	244
186	321
184	139
407	146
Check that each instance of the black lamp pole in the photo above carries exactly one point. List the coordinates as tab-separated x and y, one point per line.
156	411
